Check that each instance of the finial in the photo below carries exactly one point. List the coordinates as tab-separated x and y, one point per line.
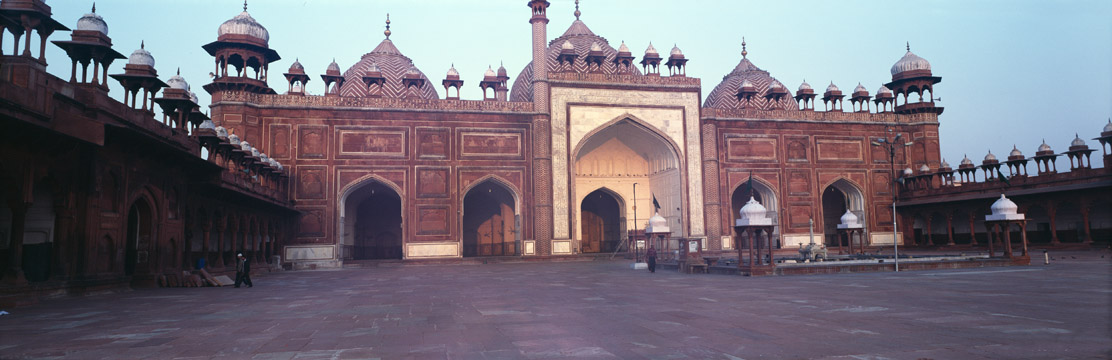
179	70
908	46
577	13
94	7
244	5
142	44
744	53
387	32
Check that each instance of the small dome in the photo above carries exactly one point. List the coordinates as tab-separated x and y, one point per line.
255	151
280	167
910	62
596	47
233	139
141	57
245	146
489	72
452	71
502	71
221	132
849	218
966	161
1108	127
1015	151
753	210
1004	206
1077	141
860	88
413	71
944	164
244	24
296	66
990	156
333	68
273	163
805	86
746	84
567	45
884	90
776	85
623	48
92	22
373	67
657	221
924	168
1044	147
832	87
908	172
651	50
193	97
263	158
207	124
676	51
177	82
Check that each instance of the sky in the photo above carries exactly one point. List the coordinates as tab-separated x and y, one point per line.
1013	71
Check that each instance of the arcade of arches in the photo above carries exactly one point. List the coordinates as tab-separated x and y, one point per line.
633	164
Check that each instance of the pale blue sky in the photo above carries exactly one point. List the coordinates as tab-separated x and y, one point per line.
1013	72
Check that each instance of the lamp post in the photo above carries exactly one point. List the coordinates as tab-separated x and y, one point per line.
891	146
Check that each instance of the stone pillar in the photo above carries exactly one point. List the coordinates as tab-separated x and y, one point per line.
14	273
712	200
221	226
1052	211
949	229
542	185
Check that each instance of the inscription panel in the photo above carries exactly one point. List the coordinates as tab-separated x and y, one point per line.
432	219
840	150
433	142
279	141
357	142
312	141
751	148
432	182
311	182
489	143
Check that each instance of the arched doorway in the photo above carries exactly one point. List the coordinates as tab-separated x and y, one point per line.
600	222
140	230
836	199
635	163
489	221
372	221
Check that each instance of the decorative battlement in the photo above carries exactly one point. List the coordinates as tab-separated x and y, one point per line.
625	79
818	116
264	100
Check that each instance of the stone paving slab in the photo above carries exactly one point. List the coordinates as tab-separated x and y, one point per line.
588	310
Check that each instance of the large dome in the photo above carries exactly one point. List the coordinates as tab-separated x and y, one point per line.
910	62
393	66
582	39
244	24
724	96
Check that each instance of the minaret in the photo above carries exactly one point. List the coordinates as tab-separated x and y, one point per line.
540	65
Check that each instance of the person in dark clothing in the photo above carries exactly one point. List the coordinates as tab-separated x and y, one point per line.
651	255
243	271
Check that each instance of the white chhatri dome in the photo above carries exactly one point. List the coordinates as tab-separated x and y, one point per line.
596	47
860	88
832	87
849	221
944	164
1004	209
753	214
567	45
805	86
966	161
208	124
333	67
657	224
489	72
623	47
1015	151
1044	146
233	139
651	50
244	24
1077	141
1108	127
141	56
222	133
177	82
92	22
245	146
990	156
676	51
884	90
452	71
910	62
908	172
924	168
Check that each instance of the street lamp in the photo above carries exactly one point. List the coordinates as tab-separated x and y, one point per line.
891	145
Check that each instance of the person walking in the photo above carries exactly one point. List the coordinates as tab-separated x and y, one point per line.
651	255
243	270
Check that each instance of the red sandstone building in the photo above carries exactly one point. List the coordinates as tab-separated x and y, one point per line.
568	159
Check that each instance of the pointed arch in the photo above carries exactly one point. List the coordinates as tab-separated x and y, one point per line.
385	238
602	217
490	222
839	195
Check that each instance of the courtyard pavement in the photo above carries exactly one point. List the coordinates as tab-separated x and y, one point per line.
587	310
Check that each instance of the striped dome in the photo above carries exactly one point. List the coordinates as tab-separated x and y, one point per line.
386	59
581	39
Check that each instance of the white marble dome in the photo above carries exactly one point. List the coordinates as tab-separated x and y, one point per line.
910	62
273	163
676	51
1015	151
245	146
452	71
860	88
207	124
1003	205
596	47
753	214
177	82
263	158
193	98
141	56
1044	147
884	90
1077	141
990	156
805	86
908	172
849	221
944	164
1108	126
92	22
489	72
623	48
651	50
233	139
924	168
244	24
255	151
832	87
966	161
567	45
657	224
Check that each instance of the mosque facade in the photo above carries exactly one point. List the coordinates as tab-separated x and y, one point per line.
573	156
